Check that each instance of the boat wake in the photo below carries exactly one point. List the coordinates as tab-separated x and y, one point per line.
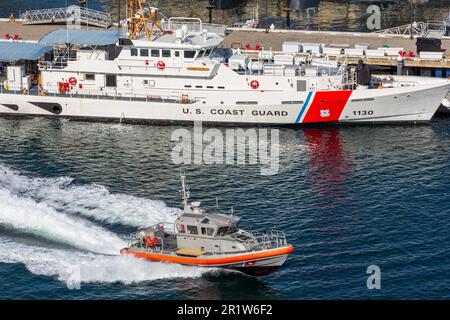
52	209
86	267
93	201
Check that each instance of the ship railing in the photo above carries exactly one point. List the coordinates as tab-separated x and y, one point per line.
271	240
136	95
193	25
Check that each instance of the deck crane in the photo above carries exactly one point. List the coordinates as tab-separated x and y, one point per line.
141	15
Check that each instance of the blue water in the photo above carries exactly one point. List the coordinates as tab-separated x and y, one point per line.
347	198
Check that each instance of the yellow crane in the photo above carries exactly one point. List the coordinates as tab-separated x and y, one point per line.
141	14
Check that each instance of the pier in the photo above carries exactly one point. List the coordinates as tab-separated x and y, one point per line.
273	40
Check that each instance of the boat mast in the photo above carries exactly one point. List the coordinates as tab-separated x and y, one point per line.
141	14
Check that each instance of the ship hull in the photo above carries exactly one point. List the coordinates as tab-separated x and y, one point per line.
255	263
401	105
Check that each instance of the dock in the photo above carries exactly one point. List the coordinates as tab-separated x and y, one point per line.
273	40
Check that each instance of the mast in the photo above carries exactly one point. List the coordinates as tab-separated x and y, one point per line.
184	190
141	14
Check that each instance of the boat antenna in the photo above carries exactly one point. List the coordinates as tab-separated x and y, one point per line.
184	190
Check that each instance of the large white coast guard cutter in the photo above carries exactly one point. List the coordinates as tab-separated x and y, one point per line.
178	74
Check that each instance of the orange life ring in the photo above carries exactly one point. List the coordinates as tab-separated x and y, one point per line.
254	84
72	81
161	65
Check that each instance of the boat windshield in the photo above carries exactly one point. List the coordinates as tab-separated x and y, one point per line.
226	230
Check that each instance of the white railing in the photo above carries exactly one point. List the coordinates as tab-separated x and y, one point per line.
193	25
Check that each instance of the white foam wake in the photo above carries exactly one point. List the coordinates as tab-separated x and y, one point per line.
85	267
31	217
94	201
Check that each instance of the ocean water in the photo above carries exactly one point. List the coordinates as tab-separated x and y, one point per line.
347	197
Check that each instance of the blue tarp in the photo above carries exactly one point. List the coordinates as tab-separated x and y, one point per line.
81	37
16	51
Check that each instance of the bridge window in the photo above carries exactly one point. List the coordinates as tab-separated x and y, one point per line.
192	230
177	54
166	53
144	52
207	52
134	52
222	231
207	231
155	53
189	54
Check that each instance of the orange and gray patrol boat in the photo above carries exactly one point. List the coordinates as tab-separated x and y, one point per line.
205	239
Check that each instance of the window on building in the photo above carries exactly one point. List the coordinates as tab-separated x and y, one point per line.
165	53
89	76
189	54
192	230
134	52
144	52
155	53
111	80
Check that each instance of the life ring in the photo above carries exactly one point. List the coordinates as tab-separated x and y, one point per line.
72	81
161	65
254	84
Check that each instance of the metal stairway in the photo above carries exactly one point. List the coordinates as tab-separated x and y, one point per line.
67	15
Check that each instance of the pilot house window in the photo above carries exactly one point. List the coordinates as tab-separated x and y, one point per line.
192	230
155	53
165	53
207	231
144	52
222	231
134	52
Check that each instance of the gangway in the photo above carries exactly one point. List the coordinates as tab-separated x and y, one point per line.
62	15
429	29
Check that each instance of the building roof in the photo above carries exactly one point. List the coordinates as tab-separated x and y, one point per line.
16	51
81	37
